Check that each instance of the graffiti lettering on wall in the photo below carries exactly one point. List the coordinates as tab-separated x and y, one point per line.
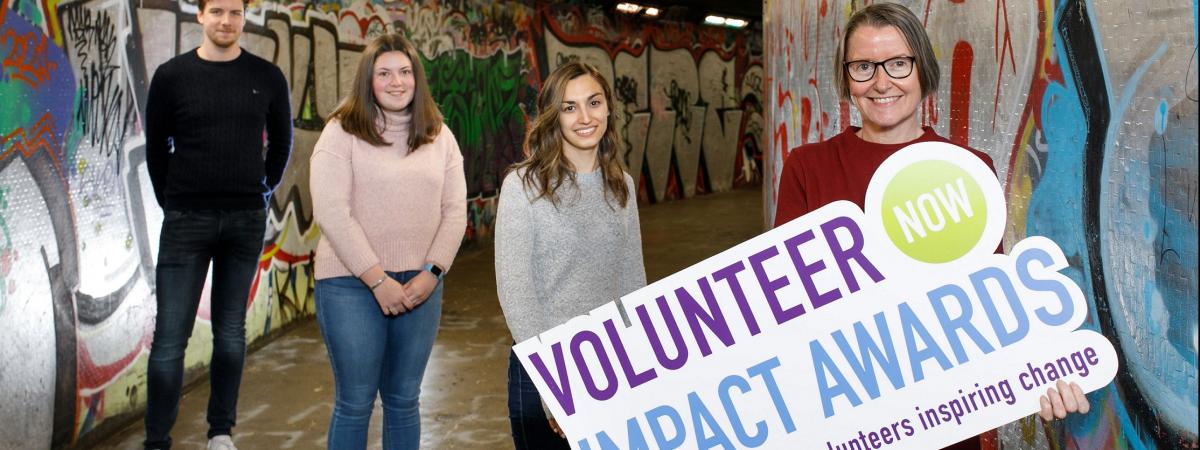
106	107
1094	133
484	101
690	109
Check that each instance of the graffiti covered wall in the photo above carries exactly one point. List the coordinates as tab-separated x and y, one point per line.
79	227
1089	110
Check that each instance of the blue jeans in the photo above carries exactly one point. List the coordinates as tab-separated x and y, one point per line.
232	241
530	427
375	354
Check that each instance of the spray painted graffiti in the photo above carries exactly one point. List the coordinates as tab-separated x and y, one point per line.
79	227
688	94
484	101
1094	135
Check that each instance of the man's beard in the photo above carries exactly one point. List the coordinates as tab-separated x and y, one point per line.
224	44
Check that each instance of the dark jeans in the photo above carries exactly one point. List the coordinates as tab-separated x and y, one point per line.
232	241
375	355
530	427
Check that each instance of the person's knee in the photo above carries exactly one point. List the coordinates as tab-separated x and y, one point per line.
229	331
355	403
168	348
402	399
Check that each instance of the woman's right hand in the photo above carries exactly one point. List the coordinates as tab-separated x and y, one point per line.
393	299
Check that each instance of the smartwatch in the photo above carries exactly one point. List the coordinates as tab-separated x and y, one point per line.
435	270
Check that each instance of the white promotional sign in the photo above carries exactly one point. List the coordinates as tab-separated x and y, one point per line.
899	327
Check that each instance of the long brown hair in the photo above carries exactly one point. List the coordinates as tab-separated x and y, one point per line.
546	168
884	15
358	112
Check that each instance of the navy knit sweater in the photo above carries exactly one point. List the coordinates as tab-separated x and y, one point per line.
204	132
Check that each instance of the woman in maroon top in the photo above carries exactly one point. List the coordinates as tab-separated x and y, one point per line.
885	68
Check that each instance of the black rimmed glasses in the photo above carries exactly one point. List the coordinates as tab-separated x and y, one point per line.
863	70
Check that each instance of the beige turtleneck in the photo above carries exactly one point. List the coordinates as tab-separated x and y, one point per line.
386	205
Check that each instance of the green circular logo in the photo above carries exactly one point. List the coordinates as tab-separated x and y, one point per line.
934	211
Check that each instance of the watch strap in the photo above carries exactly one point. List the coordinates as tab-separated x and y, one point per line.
435	270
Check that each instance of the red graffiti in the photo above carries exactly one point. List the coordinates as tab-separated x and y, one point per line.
364	23
41	137
1004	46
960	92
805	118
27	59
94	376
929	113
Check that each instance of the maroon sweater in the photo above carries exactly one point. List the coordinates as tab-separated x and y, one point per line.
840	168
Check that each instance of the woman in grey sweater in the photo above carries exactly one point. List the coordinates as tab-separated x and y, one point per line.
567	232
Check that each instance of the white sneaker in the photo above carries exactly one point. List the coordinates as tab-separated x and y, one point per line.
221	442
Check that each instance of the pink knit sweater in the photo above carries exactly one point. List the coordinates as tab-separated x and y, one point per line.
386	205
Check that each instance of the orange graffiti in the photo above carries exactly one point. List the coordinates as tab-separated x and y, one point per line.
41	138
27	57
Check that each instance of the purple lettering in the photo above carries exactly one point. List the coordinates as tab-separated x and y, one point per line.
656	343
806	271
843	255
713	319
562	389
605	365
769	286
729	275
635	379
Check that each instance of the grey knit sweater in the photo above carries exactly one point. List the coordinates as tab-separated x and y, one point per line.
553	264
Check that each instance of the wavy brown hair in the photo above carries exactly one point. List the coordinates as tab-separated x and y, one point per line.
546	167
358	112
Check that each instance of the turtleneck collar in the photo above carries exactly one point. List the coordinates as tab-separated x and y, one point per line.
393	121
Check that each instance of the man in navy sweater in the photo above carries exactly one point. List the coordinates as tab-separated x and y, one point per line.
205	116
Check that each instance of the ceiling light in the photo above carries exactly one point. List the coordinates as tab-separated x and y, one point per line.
726	21
629	8
652	12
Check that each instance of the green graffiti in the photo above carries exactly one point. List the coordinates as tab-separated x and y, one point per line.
483	100
30	10
13	113
7	253
477	96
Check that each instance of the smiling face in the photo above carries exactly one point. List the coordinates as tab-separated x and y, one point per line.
222	21
392	81
583	115
888	105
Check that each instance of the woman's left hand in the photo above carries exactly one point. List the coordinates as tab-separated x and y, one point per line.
420	286
1066	399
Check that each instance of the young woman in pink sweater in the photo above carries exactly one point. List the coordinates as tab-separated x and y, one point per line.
389	195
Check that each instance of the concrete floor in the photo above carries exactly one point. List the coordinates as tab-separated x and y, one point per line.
287	388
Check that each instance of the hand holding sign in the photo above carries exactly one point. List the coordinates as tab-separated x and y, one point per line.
896	327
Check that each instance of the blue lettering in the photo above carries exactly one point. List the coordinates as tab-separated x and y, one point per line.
823	365
701	418
1046	285
1005	336
917	356
636	440
764	369
739	430
868	351
660	439
962	322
